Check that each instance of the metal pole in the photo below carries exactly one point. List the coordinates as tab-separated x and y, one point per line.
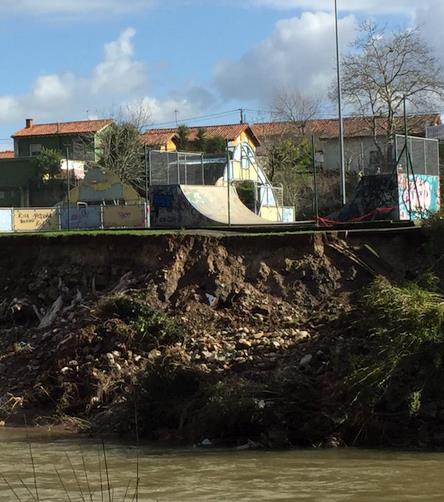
68	198
406	139
146	174
150	164
178	168
203	169
341	122
315	181
228	186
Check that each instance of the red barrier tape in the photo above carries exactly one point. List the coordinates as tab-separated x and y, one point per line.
383	210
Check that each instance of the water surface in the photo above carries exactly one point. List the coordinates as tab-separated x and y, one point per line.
196	475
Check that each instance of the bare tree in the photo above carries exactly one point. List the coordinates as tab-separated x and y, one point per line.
121	146
296	109
382	69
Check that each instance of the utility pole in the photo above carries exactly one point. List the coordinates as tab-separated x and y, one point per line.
242	118
341	122
176	116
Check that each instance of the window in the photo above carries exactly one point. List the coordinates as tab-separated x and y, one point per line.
34	150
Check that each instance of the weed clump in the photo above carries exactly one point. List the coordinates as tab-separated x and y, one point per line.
398	371
147	323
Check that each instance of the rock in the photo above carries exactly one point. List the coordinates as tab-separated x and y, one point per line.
306	360
243	344
304	334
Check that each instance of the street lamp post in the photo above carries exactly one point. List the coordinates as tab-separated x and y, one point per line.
341	121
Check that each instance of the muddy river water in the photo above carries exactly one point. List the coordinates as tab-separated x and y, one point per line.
74	469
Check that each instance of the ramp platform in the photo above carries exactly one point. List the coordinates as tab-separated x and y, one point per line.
194	206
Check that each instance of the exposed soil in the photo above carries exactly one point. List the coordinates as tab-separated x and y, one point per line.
260	322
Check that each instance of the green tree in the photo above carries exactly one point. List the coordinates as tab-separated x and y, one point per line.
216	144
48	163
183	138
200	142
289	165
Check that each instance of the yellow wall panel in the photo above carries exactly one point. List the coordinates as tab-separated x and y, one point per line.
124	216
33	220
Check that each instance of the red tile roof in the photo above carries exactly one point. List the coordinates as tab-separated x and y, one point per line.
354	127
63	128
158	137
8	154
229	132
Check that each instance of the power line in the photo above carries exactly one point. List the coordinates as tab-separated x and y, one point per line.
198	118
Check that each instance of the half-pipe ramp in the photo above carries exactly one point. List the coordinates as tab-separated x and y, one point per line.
199	206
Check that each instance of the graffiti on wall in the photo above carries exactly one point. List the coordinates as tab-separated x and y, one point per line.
77	218
124	217
418	196
33	220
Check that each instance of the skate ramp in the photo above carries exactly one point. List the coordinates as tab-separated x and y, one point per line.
199	206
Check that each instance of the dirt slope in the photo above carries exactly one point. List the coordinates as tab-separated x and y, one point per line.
233	337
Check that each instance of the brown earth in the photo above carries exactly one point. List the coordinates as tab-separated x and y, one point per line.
255	351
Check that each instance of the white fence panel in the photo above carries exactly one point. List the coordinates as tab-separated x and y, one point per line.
5	220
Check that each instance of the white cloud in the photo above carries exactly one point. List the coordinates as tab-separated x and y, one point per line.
48	88
370	6
299	54
73	7
430	19
115	81
119	73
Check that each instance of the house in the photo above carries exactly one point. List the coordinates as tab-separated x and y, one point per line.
20	184
234	134
361	148
78	140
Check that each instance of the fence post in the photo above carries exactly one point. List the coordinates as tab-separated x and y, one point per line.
146	174
149	164
102	223
68	187
178	167
315	180
202	167
228	186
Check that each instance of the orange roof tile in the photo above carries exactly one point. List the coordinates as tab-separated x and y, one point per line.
354	127
8	154
158	137
229	132
63	128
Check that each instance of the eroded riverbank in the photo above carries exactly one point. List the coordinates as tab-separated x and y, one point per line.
234	340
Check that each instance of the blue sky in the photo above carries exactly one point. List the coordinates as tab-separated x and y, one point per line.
69	59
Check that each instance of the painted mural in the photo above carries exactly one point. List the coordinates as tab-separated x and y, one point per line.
419	196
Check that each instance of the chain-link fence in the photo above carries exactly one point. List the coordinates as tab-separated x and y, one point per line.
180	168
424	155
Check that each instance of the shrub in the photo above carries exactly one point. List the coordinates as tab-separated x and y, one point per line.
147	323
401	360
